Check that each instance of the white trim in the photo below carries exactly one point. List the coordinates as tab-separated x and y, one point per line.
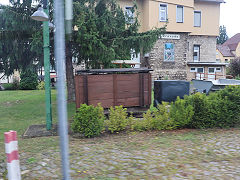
218	70
195	69
215	69
211	72
159	18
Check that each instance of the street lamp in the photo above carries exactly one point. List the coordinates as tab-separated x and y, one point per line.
42	14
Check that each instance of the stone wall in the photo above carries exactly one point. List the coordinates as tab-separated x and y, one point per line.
165	69
207	48
183	49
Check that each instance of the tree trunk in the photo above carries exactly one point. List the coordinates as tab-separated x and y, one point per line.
69	74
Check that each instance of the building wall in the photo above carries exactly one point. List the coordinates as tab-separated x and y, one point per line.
142	10
149	16
165	69
219	75
207	48
223	58
172	25
183	50
238	50
210	13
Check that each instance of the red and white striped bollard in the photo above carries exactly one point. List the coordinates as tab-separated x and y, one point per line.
11	149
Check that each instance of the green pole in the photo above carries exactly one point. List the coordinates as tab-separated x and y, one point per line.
46	52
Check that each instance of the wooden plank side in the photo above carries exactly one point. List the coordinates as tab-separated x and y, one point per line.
85	89
100	96
145	77
128	102
127	85
128	94
127	77
100	89
100	78
79	91
149	100
107	103
77	95
115	89
141	89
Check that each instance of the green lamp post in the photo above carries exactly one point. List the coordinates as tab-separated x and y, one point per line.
42	15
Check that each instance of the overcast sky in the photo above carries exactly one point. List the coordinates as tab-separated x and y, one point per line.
230	13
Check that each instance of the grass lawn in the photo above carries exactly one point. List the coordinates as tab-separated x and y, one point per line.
20	109
181	154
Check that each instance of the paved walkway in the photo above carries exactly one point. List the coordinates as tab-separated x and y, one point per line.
186	154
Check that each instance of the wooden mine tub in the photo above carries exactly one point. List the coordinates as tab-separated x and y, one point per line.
130	87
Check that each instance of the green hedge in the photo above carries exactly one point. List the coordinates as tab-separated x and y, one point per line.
11	86
88	120
28	80
219	109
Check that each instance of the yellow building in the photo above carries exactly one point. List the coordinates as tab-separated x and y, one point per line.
223	54
189	46
229	50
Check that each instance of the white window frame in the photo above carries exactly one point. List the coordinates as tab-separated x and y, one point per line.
218	70
214	70
166	12
196	45
182	20
200	21
130	21
195	69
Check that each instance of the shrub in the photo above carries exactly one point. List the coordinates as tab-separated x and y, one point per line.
158	119
145	124
225	106
28	80
11	86
162	120
41	85
234	67
118	120
88	120
202	114
181	113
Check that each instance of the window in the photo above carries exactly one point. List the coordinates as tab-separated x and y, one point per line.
196	53
218	60
197	69
169	52
197	18
193	70
218	69
200	70
163	12
211	70
226	60
179	14
129	17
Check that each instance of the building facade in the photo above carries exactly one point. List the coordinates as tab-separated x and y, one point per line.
229	50
189	46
